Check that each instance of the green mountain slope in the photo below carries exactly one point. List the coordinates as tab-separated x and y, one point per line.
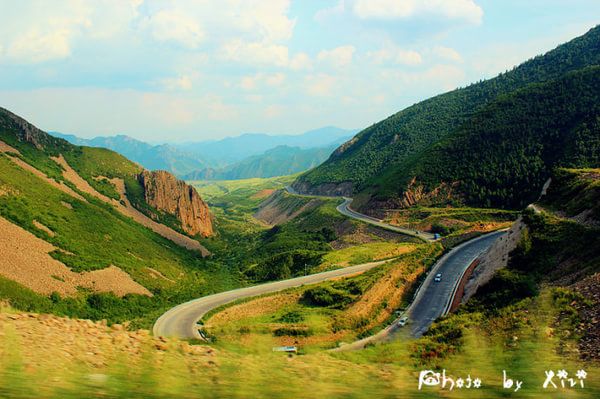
502	156
86	235
393	144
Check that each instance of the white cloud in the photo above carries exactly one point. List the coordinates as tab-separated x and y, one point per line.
326	13
466	10
300	61
268	18
320	85
447	53
395	54
253	82
257	53
183	82
175	26
39	31
34	46
339	57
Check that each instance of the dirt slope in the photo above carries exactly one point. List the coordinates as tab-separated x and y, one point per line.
26	260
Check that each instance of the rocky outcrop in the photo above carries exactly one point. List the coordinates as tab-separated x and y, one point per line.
281	207
24	130
494	259
326	189
166	193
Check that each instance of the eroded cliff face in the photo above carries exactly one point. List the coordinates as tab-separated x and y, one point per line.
24	130
325	189
166	193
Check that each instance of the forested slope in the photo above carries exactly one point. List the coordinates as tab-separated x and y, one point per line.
503	155
390	146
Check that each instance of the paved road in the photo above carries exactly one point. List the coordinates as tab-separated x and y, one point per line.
180	321
434	298
344	209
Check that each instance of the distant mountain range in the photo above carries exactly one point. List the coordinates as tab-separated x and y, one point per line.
279	161
153	157
245	156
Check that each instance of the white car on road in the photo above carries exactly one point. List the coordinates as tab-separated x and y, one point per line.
438	278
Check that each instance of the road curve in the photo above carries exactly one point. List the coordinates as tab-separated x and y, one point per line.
180	321
344	209
433	299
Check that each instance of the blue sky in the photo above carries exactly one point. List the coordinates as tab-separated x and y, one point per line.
199	69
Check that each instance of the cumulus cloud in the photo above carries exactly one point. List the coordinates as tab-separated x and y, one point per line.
320	85
255	81
300	61
447	53
256	53
339	57
175	26
466	10
395	54
39	31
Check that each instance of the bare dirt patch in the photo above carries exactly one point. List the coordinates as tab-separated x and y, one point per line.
589	344
156	274
388	289
6	148
24	165
79	182
26	260
45	229
276	209
263	193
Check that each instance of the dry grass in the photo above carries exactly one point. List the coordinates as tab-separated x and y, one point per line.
253	308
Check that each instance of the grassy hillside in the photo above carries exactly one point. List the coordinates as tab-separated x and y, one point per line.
554	269
576	192
88	234
389	147
502	156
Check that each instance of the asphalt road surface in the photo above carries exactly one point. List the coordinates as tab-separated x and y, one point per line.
433	298
344	209
180	321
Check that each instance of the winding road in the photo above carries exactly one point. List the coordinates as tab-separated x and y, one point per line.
344	209
433	299
181	321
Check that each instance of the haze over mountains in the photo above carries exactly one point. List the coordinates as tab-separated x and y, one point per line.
244	156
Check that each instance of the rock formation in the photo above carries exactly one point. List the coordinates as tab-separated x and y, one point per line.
25	131
166	193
